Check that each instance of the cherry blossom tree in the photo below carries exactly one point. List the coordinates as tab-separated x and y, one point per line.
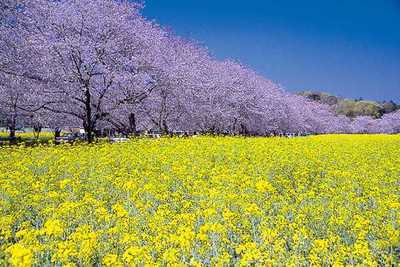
390	123
15	102
234	99
18	68
94	52
186	67
364	125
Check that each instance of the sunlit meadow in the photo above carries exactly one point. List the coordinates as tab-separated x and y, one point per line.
322	200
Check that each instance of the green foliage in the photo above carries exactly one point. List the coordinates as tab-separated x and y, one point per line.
390	106
321	97
352	107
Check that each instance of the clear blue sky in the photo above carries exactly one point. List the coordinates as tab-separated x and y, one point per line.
347	47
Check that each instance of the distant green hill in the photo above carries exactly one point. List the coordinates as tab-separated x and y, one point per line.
352	107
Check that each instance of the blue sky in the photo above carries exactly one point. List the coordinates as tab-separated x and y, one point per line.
347	47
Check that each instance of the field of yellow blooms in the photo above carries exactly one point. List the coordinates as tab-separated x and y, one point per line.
28	135
324	200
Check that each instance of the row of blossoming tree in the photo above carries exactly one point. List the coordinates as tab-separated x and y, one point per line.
100	64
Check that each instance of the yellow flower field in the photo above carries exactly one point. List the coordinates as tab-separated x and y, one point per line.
324	200
28	135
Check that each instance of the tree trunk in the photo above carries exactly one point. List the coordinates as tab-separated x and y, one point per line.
12	127
243	130
165	129
132	124
88	124
12	135
57	133
89	133
37	130
234	126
